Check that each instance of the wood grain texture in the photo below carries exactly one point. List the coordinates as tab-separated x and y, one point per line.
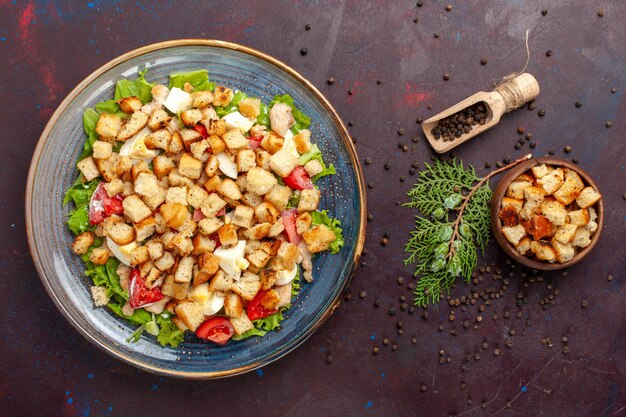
47	47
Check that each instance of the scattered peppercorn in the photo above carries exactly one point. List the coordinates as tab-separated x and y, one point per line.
575	160
379	82
613	90
330	81
446	76
436	35
521	130
541	113
420	3
304	51
518	145
350	92
423	388
448	7
567	149
499	164
415	20
483	61
329	358
370	185
600	13
584	303
375	350
549	52
544	12
608	124
384	241
376	303
610	277
565	349
578	104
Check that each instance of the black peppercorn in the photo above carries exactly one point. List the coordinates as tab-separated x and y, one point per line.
446	77
420	3
415	20
448	7
544	12
304	51
330	80
483	61
541	113
600	13
608	124
436	35
567	149
578	104
549	52
307	27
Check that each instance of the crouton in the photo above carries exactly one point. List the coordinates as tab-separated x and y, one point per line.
189	166
176	195
174	289
137	121
235	140
145	228
99	296
191	313
212	204
196	195
543	250
112	167
229	189
139	255
211	166
279	196
260	181
303	222
309	200
251	199
242	323
266	213
108	125
242	216
200	150
524	245
508	215
246	160
209	263
258	231
135	209
565	233
272	143
570	190
114	187
539	170
564	251
587	197
233	306
174	179
573	175
319	238
517	204
258	258
313	167
118	231
158	140
578	217
129	105
82	242
102	150
155	249
99	256
165	262
182	243
554	211
209	225
158	119
581	238
539	227
221	282
270	299
270	246
516	189
222	96
121	166
215	127
154	278
140	167
303	141
146	185
250	107
283	162
191	117
176	144
289	254
552	181
268	277
247	286
228	235
514	234
263	158
174	214
201	99
190	136
184	271
277	228
88	168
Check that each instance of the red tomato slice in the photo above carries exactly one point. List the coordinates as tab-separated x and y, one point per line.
289	221
139	295
298	179
217	329
102	206
256	310
202	130
255	141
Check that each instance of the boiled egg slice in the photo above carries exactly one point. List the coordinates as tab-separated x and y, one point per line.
135	147
178	100
122	253
232	259
211	302
289	144
285	276
236	120
228	167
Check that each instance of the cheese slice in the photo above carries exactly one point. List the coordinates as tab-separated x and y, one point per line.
236	120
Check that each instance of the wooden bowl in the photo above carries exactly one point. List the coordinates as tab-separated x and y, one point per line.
496	224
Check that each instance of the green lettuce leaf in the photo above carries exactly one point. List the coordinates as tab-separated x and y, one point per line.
293	201
262	326
233	106
90	120
316	154
321	217
105	276
169	334
199	79
264	115
139	316
139	88
111	107
80	194
78	220
302	120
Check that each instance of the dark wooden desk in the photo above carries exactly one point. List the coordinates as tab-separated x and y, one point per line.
46	368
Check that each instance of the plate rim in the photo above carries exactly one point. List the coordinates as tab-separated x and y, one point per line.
345	137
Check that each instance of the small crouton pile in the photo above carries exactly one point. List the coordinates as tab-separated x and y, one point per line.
548	213
206	213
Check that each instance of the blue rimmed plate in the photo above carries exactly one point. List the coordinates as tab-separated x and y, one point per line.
53	170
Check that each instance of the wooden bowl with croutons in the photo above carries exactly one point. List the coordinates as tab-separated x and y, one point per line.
547	213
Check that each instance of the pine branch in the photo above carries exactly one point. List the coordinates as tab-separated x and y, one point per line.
453	220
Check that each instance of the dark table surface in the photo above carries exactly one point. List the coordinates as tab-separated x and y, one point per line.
47	368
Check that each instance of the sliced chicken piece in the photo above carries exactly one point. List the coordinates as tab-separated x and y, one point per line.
159	94
284	294
306	264
281	118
